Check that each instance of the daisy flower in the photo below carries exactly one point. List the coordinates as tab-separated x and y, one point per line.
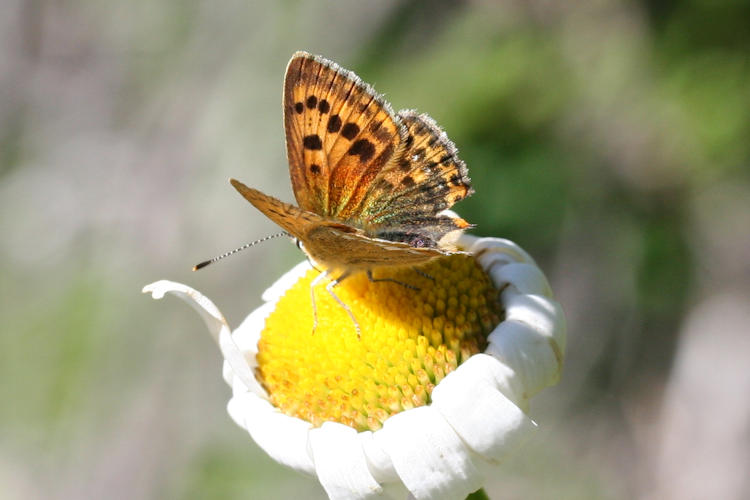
432	393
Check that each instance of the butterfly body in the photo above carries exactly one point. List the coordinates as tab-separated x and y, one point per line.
370	183
334	245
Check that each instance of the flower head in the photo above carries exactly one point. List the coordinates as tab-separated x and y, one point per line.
416	329
434	389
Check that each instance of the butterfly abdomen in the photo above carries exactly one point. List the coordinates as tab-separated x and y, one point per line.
413	239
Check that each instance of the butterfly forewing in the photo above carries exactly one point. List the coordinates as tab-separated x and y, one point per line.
292	219
340	135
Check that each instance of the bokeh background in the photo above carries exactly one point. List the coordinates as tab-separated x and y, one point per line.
611	139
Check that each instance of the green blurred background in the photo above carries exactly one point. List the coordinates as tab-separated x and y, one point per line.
610	139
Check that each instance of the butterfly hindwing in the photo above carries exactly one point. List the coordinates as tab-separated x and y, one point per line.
340	134
426	178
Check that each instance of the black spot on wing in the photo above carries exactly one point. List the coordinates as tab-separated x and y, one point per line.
312	101
364	148
315	169
384	135
334	124
312	142
350	130
299	107
407	181
324	107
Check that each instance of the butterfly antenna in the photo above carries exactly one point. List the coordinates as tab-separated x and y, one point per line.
203	264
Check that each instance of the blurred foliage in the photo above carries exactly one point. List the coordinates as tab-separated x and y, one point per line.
594	133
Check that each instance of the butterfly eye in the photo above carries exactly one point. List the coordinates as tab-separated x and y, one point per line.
299	244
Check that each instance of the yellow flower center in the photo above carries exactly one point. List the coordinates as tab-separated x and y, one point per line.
410	339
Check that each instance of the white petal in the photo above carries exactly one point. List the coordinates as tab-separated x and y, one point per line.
542	314
284	438
246	337
227	374
208	311
534	357
484	248
340	463
531	315
493	260
395	490
465	241
279	288
231	378
215	322
503	377
490	423
379	462
248	333
428	455
525	278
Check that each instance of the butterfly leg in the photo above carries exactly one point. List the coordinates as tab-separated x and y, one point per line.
299	244
375	280
329	288
422	273
312	264
313	284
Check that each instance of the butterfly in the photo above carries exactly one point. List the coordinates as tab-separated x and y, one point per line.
370	184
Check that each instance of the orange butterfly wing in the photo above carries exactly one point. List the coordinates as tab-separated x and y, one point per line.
352	159
339	136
